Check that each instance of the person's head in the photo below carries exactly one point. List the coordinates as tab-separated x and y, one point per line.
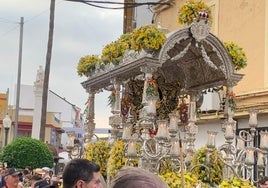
48	172
39	172
30	169
12	178
81	173
263	182
3	171
134	177
35	178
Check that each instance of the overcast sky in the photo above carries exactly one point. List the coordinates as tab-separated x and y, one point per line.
79	30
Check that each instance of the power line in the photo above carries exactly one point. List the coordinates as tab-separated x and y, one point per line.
10	30
125	5
37	15
5	20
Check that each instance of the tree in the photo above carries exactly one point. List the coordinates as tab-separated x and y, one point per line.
27	151
47	70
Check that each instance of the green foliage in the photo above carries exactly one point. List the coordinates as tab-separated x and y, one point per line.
190	11
27	151
99	153
237	183
148	37
202	158
174	180
151	90
87	64
237	55
114	52
111	98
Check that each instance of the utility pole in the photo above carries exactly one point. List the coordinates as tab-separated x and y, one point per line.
18	80
47	71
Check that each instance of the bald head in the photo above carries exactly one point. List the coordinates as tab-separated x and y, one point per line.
133	177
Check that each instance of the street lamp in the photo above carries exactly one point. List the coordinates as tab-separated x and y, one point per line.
7	124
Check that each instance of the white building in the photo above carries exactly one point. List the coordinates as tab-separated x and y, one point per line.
61	114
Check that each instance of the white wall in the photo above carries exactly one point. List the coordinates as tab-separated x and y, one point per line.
57	105
201	137
62	109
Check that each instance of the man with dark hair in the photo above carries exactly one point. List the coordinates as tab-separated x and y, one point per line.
134	177
263	182
81	173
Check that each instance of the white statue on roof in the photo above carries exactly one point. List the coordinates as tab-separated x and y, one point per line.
39	77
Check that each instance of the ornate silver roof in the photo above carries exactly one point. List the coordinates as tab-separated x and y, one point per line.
193	57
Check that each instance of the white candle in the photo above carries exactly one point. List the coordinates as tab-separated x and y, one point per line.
162	129
229	131
211	139
175	149
131	150
253	119
126	133
173	124
264	140
151	108
249	157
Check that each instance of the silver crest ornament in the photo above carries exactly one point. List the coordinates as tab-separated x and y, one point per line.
200	28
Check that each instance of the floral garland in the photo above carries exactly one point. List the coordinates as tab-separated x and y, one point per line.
87	64
135	92
98	152
190	11
215	169
237	55
237	183
148	37
111	98
125	106
183	112
151	90
231	100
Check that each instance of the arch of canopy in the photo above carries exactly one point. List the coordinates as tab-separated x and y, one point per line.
196	65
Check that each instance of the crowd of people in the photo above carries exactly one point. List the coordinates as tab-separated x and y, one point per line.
29	178
82	173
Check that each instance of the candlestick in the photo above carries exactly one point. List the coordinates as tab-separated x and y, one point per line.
229	131
253	119
249	156
173	124
211	139
162	129
175	148
151	108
